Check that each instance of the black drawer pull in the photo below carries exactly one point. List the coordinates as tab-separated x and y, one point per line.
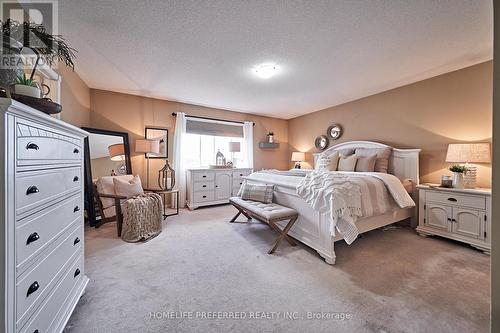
452	199
204	176
36	331
241	175
32	189
241	183
204	186
34	287
77	240
75	179
76	209
449	219
77	272
216	185
453	220
32	238
75	151
32	145
204	196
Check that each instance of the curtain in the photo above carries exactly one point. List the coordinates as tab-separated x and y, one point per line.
179	167
248	144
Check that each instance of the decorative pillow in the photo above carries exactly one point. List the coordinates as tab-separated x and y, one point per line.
347	163
256	192
129	188
346	151
328	163
366	163
105	185
383	154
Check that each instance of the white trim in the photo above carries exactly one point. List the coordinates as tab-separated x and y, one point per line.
203	120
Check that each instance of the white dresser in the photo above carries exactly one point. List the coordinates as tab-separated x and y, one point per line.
213	186
42	268
460	214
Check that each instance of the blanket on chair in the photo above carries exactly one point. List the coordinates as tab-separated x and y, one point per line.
142	217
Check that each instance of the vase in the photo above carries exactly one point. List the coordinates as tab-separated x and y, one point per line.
20	89
458	180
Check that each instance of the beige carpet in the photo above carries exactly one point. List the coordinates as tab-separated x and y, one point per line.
386	281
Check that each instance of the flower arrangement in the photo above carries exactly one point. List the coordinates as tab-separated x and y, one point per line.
458	168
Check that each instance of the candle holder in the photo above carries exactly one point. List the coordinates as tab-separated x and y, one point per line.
166	177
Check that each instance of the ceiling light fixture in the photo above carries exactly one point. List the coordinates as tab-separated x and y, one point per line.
266	71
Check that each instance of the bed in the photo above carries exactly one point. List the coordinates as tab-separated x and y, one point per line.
312	227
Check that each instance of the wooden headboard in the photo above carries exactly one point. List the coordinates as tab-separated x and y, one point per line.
403	163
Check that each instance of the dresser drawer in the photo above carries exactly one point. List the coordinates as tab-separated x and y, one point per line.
36	188
45	318
33	236
36	284
203	196
204	186
199	176
240	174
37	145
478	202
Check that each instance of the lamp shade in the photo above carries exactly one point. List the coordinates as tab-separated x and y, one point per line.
298	156
234	147
116	152
469	153
147	146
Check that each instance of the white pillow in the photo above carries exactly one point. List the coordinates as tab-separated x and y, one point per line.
347	163
129	188
105	185
328	163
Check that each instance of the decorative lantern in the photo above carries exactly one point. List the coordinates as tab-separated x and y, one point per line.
166	177
220	160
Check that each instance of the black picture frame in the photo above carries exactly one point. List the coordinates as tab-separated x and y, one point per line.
152	130
89	188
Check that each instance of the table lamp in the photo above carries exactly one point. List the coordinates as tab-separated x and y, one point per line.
234	147
298	157
469	153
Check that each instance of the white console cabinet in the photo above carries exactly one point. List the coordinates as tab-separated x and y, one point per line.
460	214
207	187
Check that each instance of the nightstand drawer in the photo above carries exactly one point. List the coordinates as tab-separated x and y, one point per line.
478	202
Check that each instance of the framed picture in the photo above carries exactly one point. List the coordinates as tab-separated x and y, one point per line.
161	134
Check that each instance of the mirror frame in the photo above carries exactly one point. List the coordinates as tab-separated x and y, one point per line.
89	188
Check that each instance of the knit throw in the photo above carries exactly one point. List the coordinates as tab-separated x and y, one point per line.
142	217
335	195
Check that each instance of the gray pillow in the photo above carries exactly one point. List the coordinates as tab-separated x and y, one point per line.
346	151
383	154
366	163
328	163
256	192
347	163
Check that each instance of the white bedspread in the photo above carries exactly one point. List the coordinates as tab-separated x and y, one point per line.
344	195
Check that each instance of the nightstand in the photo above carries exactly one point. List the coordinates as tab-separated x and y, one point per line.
460	214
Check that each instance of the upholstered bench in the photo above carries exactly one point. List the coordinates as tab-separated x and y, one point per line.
269	213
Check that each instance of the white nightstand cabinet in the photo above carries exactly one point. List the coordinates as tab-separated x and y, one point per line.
460	214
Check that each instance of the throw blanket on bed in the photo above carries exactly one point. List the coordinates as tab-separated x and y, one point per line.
336	195
142	217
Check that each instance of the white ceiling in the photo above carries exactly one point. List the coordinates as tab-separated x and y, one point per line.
329	52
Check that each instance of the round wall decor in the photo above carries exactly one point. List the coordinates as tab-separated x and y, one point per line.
321	142
334	131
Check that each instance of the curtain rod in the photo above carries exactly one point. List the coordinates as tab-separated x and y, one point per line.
215	119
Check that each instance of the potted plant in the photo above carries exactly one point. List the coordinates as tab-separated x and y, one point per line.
26	87
270	137
458	175
47	47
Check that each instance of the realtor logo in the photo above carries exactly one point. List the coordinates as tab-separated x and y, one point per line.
23	13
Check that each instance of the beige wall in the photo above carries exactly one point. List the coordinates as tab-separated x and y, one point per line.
129	113
102	166
428	114
75	98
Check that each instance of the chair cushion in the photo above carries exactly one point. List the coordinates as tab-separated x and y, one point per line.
256	192
105	185
129	189
266	211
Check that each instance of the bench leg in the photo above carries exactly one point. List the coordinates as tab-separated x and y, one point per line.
283	234
235	216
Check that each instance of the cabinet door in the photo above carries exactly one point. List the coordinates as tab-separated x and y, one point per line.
467	222
223	185
438	216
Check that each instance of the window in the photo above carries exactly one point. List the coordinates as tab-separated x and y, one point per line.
205	137
200	150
